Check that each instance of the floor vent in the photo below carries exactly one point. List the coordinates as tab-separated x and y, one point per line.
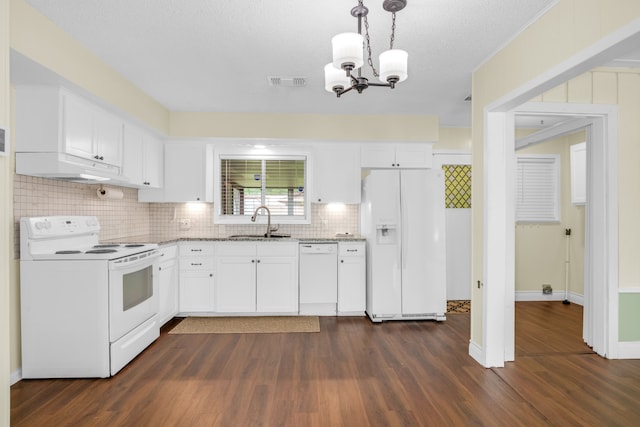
276	81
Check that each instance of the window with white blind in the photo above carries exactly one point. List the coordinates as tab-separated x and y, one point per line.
538	188
247	182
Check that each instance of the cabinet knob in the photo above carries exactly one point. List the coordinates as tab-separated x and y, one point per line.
159	268
253	261
319	200
342	261
258	261
210	274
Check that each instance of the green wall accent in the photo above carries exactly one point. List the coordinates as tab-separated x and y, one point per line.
629	317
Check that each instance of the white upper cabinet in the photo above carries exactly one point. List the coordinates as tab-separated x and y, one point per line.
143	158
336	174
188	174
406	155
53	120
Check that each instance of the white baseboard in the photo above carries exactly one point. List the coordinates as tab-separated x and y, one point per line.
555	296
475	351
15	376
628	350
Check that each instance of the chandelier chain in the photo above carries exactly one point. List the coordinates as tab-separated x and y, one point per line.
368	39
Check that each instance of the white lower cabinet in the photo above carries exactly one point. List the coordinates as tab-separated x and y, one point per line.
256	277
168	283
197	277
351	278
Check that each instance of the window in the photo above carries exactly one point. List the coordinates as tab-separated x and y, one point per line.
538	188
247	182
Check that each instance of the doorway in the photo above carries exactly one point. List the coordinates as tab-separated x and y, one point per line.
601	227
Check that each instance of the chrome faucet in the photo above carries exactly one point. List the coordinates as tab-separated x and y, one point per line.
255	214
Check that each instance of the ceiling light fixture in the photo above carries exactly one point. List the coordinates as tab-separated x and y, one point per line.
348	55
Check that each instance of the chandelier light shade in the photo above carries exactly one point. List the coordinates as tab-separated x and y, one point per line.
335	79
348	55
347	51
393	66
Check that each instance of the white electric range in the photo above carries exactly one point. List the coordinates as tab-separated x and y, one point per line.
87	308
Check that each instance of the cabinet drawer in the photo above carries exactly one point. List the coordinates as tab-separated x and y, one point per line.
351	249
278	249
196	264
197	249
168	252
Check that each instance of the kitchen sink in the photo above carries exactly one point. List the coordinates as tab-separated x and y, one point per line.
259	236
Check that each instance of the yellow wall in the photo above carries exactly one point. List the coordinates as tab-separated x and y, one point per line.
6	219
305	126
568	28
540	248
458	139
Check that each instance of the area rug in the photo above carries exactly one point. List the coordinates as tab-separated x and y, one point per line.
247	325
458	306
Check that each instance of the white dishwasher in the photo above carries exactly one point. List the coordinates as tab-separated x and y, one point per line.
318	278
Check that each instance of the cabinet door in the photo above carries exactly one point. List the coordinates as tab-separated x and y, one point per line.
152	162
184	171
108	138
378	156
133	155
351	284
196	291
168	289
78	128
277	285
337	175
418	155
236	284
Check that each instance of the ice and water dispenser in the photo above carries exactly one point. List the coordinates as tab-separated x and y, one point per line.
386	234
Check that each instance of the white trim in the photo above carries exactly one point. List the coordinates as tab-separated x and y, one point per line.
476	352
15	376
555	296
628	350
629	290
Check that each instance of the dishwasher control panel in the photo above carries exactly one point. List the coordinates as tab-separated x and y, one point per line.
318	248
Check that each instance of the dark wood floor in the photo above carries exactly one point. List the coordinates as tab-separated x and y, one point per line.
352	373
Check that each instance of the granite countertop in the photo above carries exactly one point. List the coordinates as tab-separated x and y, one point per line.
166	239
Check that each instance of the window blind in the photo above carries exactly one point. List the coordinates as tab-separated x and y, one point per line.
538	188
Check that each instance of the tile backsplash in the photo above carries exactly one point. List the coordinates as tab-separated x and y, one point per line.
126	217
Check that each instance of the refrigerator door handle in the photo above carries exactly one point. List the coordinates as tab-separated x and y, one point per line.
403	222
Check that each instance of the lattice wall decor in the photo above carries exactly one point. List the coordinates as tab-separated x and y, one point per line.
457	180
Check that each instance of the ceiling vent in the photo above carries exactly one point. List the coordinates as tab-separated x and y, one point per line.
277	81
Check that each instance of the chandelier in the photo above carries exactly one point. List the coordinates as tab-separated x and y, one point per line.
348	53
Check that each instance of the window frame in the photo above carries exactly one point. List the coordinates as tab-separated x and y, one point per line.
265	154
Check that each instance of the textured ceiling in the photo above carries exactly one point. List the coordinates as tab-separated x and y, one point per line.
217	55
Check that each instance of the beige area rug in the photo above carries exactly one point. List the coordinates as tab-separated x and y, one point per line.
247	325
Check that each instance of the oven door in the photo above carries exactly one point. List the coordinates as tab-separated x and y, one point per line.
133	292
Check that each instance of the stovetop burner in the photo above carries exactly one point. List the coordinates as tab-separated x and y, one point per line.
133	245
67	252
100	251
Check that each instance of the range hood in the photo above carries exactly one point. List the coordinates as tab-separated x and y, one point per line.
65	166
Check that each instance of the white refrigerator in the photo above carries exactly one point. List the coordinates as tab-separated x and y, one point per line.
403	220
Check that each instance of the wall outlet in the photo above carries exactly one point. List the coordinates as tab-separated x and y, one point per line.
547	289
185	223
